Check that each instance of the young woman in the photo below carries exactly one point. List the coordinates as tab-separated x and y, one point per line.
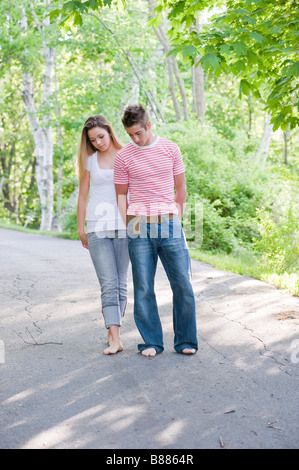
105	236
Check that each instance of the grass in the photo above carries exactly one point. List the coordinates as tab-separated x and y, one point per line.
20	228
249	264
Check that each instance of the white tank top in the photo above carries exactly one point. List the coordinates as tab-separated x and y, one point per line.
102	213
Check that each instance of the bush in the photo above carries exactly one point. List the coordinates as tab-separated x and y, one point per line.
220	174
244	207
279	238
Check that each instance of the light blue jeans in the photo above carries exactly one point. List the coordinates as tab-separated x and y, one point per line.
110	258
166	240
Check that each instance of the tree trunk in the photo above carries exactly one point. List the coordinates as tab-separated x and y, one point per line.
42	132
2	181
250	112
262	153
171	87
181	88
60	164
173	71
198	84
198	90
285	145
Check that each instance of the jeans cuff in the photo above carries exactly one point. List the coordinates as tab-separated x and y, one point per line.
111	315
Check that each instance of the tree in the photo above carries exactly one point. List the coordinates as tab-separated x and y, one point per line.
173	69
256	40
25	39
41	128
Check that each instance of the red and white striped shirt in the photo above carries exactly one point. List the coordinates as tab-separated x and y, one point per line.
149	172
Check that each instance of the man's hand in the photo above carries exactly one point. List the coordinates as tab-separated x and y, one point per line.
181	192
122	201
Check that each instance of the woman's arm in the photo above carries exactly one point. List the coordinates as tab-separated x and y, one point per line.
81	207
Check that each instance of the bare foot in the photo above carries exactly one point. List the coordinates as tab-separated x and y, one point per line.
109	337
150	352
189	351
115	347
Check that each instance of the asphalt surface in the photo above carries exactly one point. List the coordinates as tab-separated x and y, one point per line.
59	391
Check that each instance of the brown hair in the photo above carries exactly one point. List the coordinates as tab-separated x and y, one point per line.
135	114
86	148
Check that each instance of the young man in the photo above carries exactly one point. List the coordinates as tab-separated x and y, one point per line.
148	169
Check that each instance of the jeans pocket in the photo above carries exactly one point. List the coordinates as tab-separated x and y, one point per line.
92	238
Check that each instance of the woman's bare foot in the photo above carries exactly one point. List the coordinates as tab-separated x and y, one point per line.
115	344
114	347
150	352
189	351
109	337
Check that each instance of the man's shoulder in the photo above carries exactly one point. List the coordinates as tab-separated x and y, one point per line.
125	150
168	144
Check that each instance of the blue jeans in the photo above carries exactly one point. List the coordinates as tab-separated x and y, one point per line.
110	258
167	241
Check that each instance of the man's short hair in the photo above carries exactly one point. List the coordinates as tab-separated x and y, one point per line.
135	114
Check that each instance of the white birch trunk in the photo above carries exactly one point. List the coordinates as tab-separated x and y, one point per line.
262	153
173	69
198	90
42	132
1	186
198	84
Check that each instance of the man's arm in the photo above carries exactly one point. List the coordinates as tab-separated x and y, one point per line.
122	201
181	192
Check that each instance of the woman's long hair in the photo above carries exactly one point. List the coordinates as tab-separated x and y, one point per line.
86	148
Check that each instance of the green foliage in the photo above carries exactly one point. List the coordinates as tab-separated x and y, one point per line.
244	207
279	232
257	41
71	13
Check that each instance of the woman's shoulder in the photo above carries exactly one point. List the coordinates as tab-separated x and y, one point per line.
89	161
92	157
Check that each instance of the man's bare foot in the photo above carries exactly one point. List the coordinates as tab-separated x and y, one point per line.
115	347
150	352
189	351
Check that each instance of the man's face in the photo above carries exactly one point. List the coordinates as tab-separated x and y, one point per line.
140	135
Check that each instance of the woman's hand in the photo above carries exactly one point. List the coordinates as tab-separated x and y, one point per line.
83	238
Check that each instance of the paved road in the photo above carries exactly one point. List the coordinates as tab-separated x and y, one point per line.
58	391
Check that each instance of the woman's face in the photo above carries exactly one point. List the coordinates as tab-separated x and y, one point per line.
99	138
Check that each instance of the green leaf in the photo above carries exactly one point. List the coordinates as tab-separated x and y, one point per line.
240	48
225	49
252	57
293	69
238	67
278	121
258	37
211	60
189	51
78	20
249	19
179	8
93	4
75	6
244	88
54	14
